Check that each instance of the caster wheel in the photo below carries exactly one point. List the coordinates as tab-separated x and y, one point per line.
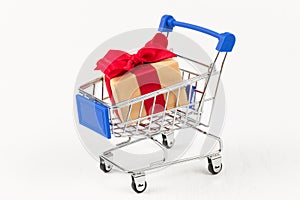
104	166
214	168
139	188
167	142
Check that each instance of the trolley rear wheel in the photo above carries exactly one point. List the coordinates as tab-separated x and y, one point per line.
214	165
212	170
168	140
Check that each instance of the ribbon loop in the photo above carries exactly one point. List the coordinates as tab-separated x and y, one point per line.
116	62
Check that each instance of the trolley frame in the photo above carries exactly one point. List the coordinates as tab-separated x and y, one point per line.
166	122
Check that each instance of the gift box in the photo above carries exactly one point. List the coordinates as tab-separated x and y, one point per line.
129	76
144	79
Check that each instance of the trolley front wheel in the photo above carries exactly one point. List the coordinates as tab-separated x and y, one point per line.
138	183
214	164
105	166
139	188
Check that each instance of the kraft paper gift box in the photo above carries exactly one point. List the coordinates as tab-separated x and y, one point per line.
144	79
150	69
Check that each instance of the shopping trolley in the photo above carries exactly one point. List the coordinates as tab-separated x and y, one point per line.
98	114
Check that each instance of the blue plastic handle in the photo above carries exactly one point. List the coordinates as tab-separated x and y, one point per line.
226	40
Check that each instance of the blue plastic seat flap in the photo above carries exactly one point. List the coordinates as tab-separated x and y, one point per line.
93	115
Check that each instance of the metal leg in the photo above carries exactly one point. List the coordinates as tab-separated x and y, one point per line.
213	137
138	183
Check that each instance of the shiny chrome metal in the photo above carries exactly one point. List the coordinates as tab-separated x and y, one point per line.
210	70
163	123
124	142
216	88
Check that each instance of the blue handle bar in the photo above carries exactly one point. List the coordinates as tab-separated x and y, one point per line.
226	40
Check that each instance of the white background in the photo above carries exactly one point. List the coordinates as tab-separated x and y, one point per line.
42	47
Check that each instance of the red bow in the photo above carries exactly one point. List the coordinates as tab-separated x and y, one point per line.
116	62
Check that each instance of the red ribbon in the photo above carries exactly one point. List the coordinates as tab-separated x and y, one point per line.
116	63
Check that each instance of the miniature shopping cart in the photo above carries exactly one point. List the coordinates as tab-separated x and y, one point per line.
98	114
